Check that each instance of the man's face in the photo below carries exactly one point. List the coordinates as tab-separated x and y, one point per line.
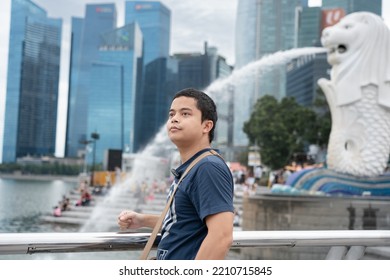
184	123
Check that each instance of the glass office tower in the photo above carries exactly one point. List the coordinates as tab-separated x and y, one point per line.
86	39
32	82
153	98
351	6
154	19
113	84
263	27
309	27
75	104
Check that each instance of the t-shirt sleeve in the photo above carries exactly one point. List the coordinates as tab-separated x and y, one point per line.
212	189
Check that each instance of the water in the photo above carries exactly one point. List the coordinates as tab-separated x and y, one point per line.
22	202
256	68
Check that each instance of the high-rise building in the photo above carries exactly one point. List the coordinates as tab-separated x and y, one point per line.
32	82
308	28
351	6
154	19
199	70
153	98
303	74
153	101
86	39
75	104
113	85
263	27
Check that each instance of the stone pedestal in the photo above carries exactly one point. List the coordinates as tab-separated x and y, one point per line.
282	212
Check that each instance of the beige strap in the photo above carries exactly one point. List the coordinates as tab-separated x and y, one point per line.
157	227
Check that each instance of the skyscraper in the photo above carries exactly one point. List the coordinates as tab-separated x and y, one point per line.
154	19
86	39
32	83
113	84
351	6
302	76
263	27
308	29
152	100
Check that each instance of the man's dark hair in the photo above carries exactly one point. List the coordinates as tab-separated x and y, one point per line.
204	103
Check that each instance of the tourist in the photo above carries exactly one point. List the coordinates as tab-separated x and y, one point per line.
201	223
258	172
57	211
65	205
85	198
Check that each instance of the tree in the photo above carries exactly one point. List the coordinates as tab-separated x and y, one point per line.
324	119
281	129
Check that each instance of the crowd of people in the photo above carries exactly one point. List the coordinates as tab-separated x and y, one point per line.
250	178
65	204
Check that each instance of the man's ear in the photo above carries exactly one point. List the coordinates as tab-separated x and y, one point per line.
208	125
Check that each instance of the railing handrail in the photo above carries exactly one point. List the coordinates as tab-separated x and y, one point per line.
32	243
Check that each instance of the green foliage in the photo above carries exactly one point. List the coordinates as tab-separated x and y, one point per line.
283	128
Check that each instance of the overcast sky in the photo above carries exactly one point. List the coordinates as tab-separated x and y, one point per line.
192	23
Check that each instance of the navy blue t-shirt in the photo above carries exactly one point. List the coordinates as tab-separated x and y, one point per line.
207	189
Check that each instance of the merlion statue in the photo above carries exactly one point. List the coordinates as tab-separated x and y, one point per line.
358	94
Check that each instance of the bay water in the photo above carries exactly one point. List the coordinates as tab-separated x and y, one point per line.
22	205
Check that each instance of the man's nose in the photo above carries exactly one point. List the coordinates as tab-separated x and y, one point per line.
174	118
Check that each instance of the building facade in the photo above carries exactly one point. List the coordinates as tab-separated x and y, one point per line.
153	97
154	19
86	39
32	82
263	27
113	86
302	76
351	6
309	26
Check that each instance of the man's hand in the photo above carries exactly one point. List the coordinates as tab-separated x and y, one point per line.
132	220
129	220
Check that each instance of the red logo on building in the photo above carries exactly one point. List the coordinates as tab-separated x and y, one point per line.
331	17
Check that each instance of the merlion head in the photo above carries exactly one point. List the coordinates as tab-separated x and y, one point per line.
359	52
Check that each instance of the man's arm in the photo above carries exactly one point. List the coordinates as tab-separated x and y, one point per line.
133	220
219	238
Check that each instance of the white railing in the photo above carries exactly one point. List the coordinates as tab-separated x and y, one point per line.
345	244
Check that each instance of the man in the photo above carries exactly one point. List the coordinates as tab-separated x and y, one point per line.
258	172
199	224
